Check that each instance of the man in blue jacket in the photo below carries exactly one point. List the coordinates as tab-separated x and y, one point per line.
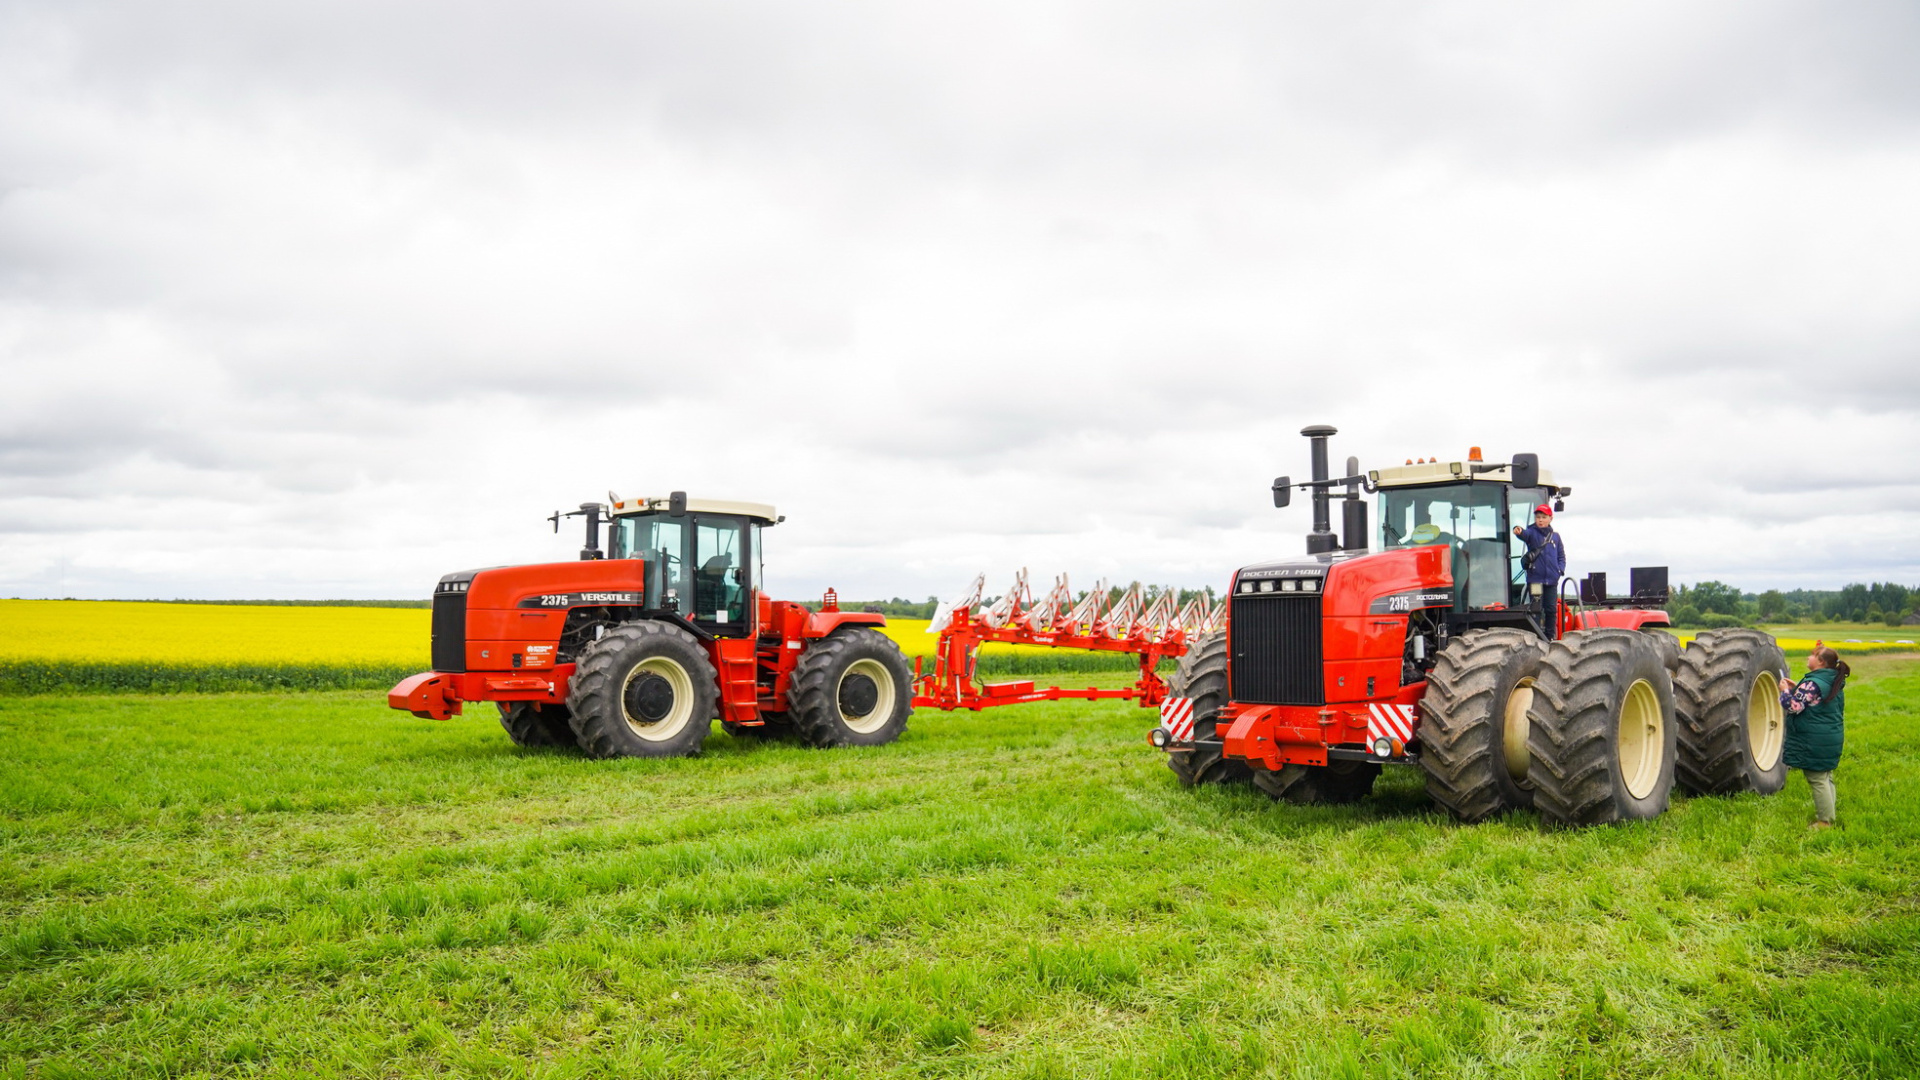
1546	561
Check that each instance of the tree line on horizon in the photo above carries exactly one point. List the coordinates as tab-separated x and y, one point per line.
1715	604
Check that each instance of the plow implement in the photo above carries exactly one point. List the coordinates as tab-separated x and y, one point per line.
1152	630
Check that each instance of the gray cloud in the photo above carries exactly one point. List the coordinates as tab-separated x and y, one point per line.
307	296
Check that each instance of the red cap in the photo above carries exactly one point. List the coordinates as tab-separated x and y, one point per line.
1543	508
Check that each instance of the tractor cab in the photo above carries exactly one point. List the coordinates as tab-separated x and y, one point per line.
1473	512
702	556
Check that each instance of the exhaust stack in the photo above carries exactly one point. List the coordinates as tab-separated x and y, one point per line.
1321	539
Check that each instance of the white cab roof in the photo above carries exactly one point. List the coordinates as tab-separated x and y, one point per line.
1441	472
761	511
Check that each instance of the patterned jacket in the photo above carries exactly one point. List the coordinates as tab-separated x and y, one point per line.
1816	729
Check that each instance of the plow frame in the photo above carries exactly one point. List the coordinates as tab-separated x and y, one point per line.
1151	633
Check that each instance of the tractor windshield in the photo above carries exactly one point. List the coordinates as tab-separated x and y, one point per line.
1469	518
656	539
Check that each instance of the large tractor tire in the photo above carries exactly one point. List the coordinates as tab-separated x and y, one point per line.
1669	647
1732	728
851	688
645	689
1202	676
1313	785
536	724
1473	727
1602	730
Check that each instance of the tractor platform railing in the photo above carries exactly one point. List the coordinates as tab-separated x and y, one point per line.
1151	630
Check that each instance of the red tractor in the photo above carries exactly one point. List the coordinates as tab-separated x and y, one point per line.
633	653
1433	651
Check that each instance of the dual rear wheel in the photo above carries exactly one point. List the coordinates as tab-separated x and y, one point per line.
1602	732
1599	726
1732	728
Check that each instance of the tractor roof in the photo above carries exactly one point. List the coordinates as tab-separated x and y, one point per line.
1447	472
758	511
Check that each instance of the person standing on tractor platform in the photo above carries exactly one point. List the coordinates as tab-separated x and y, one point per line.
1816	726
1546	561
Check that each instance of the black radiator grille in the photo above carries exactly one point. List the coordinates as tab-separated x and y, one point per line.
450	631
1276	650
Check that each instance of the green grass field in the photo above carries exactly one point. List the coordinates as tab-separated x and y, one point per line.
311	884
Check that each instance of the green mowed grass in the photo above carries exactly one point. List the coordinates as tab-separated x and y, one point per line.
311	884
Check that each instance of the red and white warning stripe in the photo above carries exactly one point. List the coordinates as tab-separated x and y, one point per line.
1176	715
1391	722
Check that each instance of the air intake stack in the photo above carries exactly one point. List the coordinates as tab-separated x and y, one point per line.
1321	539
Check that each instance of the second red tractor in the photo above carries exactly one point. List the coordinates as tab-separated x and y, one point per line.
634	651
1433	651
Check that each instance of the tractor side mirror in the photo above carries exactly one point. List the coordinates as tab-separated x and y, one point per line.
1526	470
1282	490
677	504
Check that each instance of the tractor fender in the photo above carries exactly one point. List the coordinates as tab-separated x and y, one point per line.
1623	619
821	623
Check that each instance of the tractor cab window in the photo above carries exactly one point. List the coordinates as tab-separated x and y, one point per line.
1466	517
756	563
659	540
720	578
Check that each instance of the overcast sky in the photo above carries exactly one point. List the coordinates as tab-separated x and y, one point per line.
327	299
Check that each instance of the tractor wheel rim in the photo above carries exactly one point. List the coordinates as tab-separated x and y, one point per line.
1513	732
1642	742
1766	721
875	717
664	724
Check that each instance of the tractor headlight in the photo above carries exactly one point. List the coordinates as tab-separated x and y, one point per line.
1158	737
1383	747
1309	585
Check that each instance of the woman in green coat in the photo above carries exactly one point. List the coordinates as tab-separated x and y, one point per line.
1816	726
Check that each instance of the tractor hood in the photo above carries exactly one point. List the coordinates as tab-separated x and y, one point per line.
1395	581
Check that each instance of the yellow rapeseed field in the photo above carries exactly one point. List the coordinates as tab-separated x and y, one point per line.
126	631
121	631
